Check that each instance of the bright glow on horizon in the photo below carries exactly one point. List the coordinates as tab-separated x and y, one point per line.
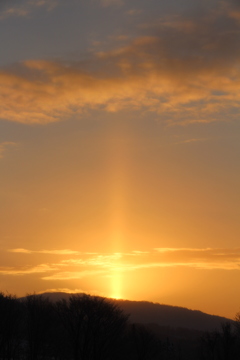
116	285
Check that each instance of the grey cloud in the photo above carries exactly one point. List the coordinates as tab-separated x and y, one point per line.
23	8
185	68
7	3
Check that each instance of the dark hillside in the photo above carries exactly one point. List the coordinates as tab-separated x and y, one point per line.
164	315
173	316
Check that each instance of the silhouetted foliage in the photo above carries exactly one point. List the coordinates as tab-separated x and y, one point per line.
38	326
10	327
220	345
145	344
84	327
93	326
210	343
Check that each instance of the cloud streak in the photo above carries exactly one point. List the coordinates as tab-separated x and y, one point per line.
72	275
85	264
51	252
65	290
27	270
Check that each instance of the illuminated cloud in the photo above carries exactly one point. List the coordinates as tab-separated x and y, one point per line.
189	141
139	253
52	252
42	268
71	275
235	15
206	258
64	290
22	251
98	260
88	265
181	71
165	250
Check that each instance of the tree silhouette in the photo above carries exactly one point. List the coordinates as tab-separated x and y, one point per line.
38	326
145	344
228	341
88	327
210	342
93	326
10	327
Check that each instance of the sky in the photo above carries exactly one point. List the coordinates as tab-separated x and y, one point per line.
120	150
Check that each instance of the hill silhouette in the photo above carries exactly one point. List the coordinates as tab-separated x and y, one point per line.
144	312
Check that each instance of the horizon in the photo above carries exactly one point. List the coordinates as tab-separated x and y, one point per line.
118	300
120	150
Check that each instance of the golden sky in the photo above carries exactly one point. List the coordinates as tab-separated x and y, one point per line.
120	150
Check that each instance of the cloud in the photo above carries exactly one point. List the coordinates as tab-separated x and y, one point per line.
65	290
25	8
71	275
134	12
52	252
4	146
184	69
235	15
205	258
27	269
165	250
107	3
22	251
85	264
194	140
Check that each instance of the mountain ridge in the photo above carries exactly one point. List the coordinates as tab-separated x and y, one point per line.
145	312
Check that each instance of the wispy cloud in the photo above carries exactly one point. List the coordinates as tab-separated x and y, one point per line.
103	260
235	15
134	12
26	270
4	146
65	290
25	8
52	252
165	250
71	275
205	258
72	291
190	141
106	264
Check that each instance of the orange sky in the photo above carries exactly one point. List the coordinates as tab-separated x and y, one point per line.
120	151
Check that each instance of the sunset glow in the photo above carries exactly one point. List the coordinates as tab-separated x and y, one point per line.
116	285
120	150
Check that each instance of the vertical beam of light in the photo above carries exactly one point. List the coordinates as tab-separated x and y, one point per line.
118	167
119	152
116	285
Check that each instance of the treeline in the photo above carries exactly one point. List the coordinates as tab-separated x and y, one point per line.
88	327
223	344
83	327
